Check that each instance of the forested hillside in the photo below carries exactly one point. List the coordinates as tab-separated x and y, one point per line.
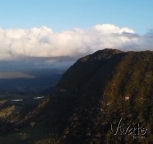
100	90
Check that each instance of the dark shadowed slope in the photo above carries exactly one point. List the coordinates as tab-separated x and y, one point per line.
97	90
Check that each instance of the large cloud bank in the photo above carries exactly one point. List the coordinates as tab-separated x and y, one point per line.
45	45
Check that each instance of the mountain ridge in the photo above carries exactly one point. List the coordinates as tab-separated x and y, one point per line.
110	79
97	90
100	54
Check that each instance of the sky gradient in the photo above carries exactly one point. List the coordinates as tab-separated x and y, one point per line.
49	32
63	15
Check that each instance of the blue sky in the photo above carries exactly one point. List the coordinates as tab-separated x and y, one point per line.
63	15
50	32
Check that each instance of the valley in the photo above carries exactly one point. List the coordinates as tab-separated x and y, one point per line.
91	100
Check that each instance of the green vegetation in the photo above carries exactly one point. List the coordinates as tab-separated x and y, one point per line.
97	90
104	80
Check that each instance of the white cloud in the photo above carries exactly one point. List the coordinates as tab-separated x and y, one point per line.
43	42
108	28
